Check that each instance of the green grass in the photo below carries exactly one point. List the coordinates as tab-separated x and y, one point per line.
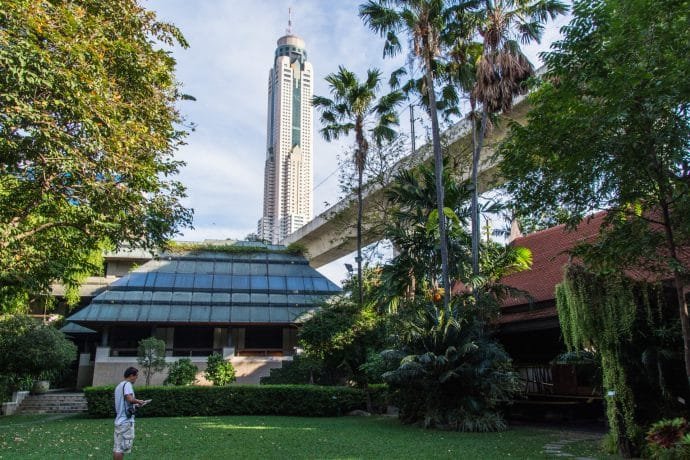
240	437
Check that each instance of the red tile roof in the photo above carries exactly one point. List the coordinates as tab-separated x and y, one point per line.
548	258
549	255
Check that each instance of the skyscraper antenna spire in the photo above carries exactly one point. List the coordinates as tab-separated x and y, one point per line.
289	27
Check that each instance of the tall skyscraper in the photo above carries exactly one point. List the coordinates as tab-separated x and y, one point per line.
288	174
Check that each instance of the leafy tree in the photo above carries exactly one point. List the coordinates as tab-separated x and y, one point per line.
181	372
341	334
219	371
88	129
30	349
609	129
355	107
422	21
151	356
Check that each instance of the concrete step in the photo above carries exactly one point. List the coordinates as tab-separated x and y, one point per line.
53	403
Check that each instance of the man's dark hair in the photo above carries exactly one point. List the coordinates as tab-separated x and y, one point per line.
131	371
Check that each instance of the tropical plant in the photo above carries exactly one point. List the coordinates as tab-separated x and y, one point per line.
669	439
181	372
609	129
422	21
88	129
502	72
413	230
354	107
453	376
151	356
219	371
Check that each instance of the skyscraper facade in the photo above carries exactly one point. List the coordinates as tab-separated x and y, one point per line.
288	174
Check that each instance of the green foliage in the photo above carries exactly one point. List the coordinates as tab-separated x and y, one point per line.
30	350
341	334
151	356
181	372
669	439
452	375
88	130
297	400
219	371
300	370
296	249
609	129
599	312
176	247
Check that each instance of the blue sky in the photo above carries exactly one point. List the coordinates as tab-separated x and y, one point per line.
226	69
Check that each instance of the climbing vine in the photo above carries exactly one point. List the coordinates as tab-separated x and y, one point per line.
597	312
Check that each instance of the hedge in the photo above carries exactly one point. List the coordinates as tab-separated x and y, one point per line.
297	400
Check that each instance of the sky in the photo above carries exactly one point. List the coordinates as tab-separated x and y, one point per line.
231	49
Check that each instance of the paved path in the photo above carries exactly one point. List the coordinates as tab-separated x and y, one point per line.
559	449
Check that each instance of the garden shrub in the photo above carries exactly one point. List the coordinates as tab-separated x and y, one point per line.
669	439
299	370
294	400
31	350
181	372
219	371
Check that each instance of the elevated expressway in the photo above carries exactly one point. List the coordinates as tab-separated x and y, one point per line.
332	234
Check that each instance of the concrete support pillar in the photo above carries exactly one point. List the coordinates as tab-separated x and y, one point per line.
102	354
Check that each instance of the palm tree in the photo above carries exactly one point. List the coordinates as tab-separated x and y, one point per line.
413	231
502	71
354	107
423	22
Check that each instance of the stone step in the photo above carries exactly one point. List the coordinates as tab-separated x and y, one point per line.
53	403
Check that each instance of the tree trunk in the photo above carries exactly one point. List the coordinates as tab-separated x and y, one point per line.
684	321
478	141
438	171
360	173
680	286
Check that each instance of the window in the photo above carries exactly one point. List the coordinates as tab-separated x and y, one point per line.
262	337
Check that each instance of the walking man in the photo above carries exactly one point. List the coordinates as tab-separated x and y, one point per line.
124	419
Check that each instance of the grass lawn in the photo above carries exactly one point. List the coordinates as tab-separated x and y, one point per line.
236	437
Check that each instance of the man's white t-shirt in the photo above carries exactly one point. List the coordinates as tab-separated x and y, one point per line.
123	389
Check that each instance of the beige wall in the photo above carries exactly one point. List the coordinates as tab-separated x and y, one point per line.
249	369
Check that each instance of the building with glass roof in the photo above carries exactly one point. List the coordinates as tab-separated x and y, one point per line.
243	300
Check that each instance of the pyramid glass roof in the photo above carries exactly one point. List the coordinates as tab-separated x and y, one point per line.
212	287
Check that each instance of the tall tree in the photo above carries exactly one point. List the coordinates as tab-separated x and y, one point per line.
609	129
354	106
449	373
501	72
88	129
422	21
